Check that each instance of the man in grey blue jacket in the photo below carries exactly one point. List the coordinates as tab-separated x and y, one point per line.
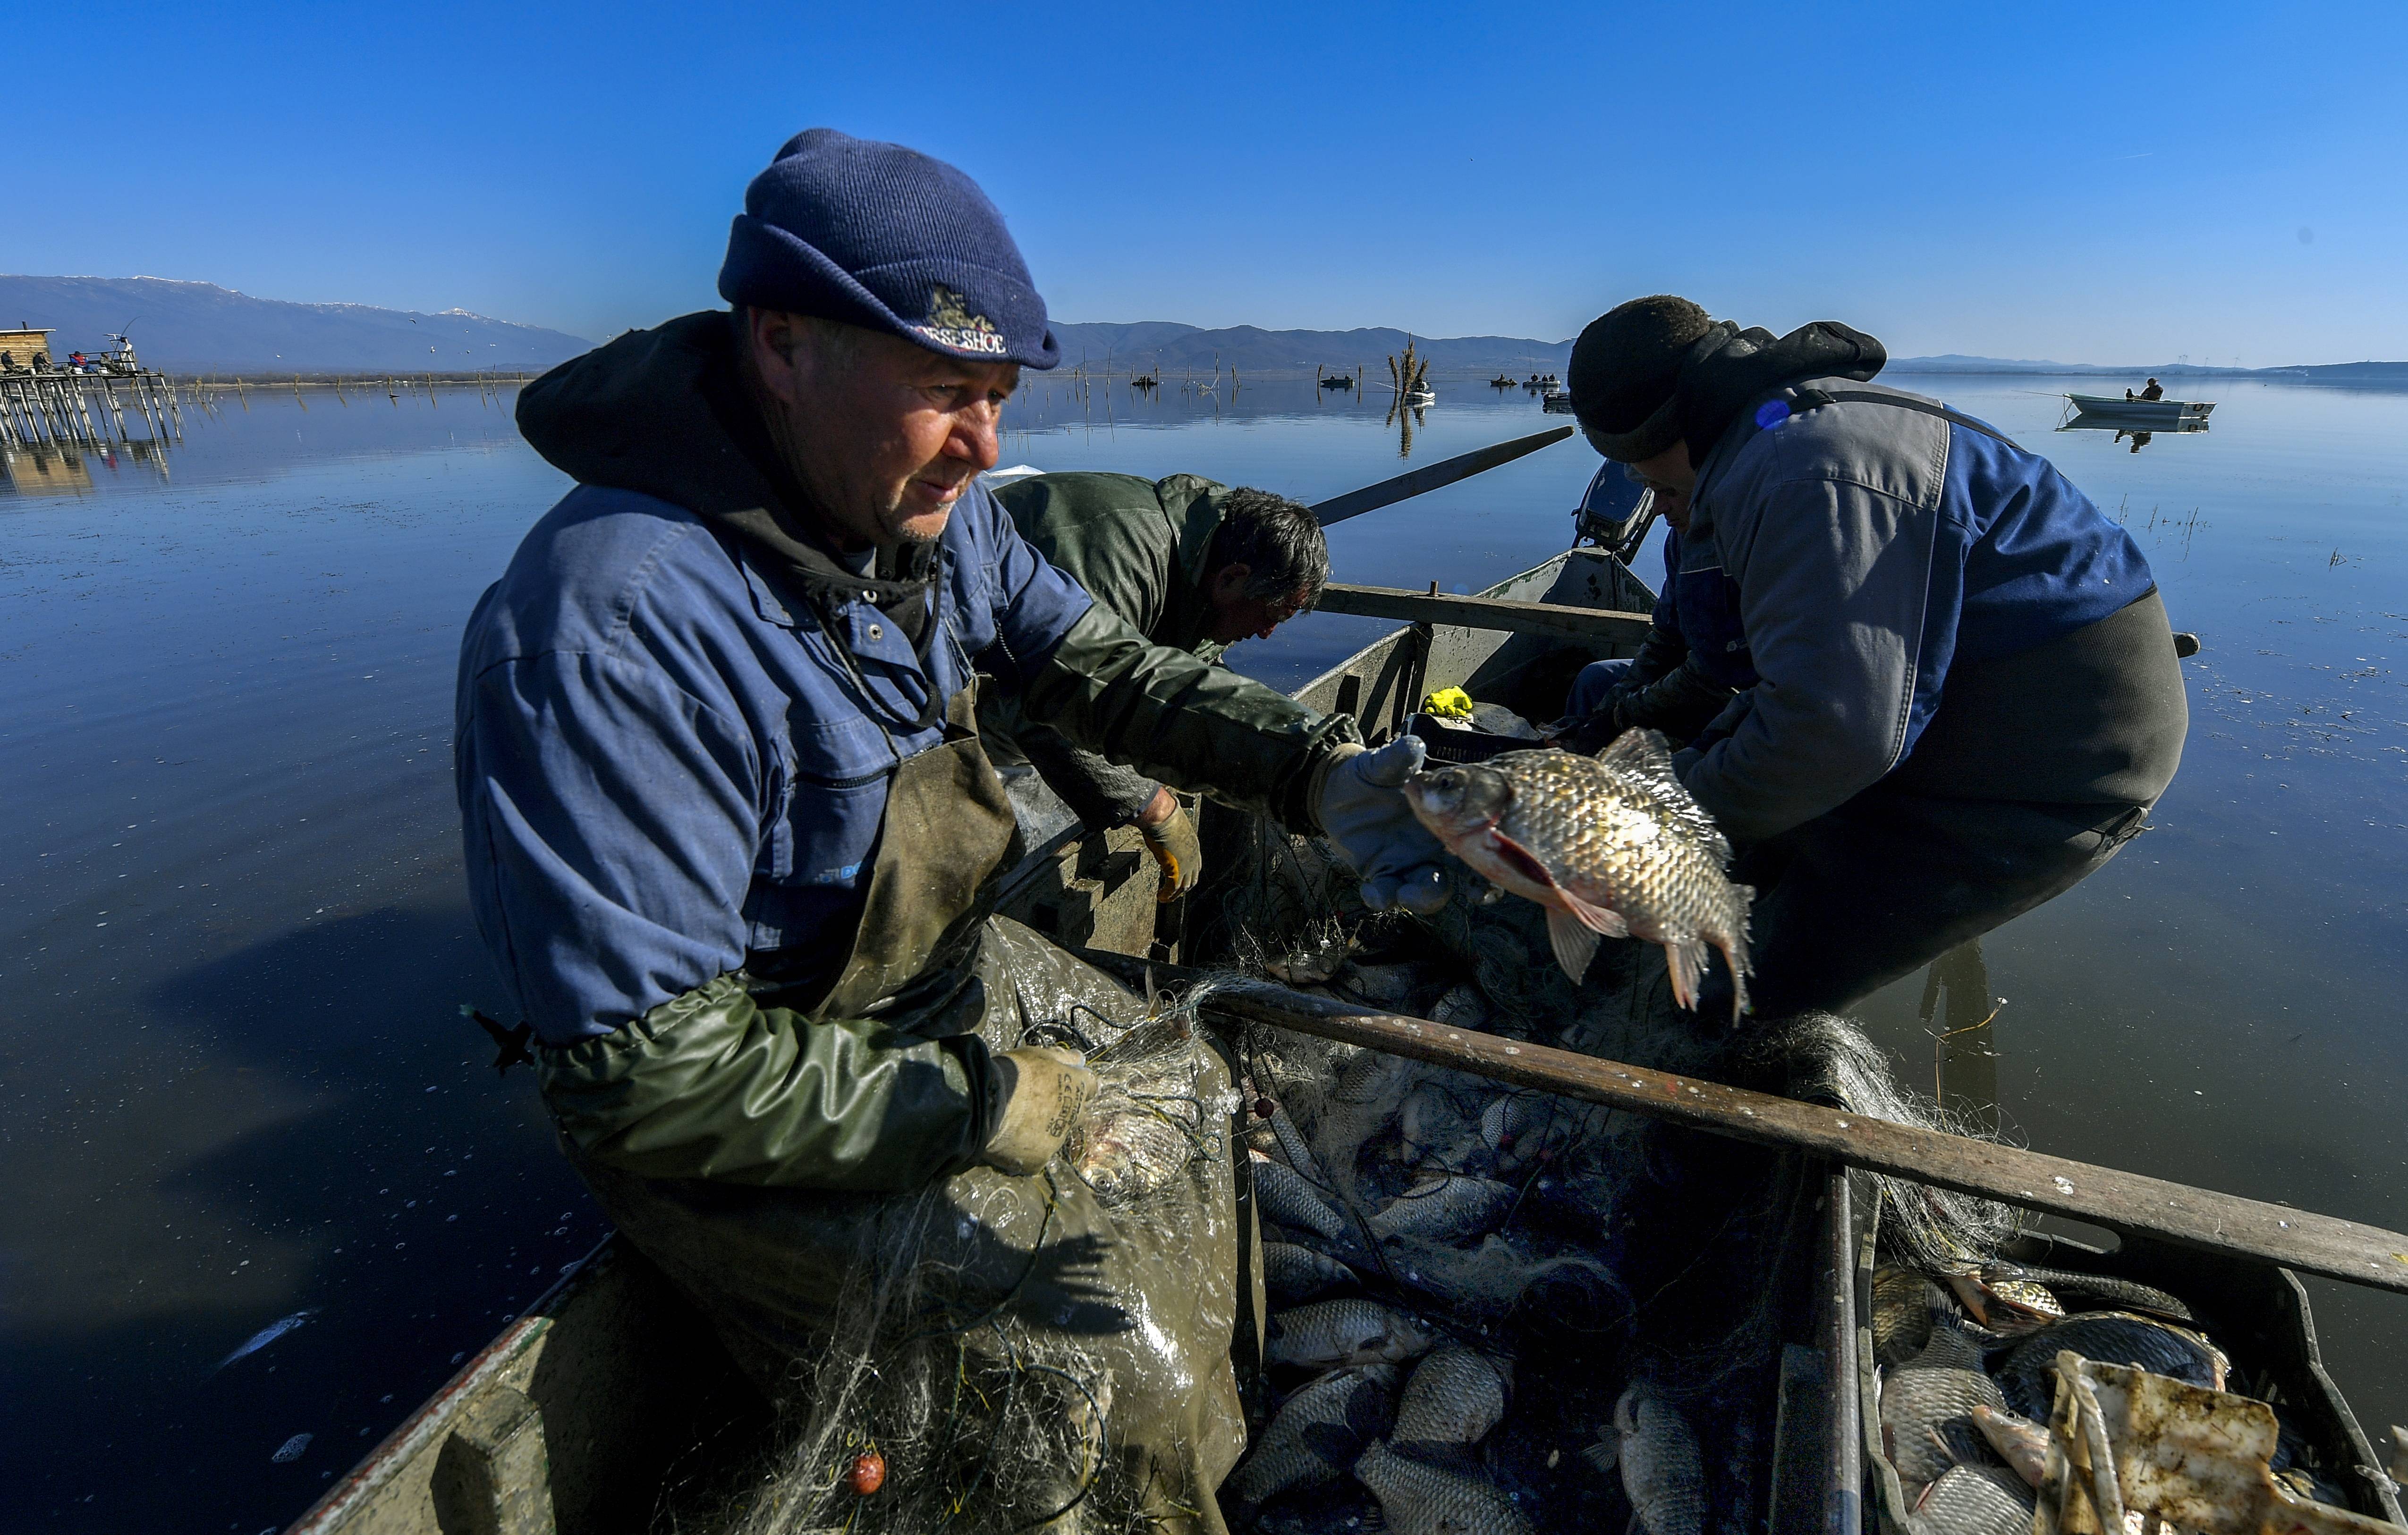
734	844
1965	694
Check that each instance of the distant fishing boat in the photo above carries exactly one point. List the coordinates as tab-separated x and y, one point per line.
1338	381
2141	412
1556	402
1500	381
1420	394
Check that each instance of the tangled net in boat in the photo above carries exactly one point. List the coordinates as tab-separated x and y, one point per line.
936	1406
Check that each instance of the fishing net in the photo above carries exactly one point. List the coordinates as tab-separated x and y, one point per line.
1006	1355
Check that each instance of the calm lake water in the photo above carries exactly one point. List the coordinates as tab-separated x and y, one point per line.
234	941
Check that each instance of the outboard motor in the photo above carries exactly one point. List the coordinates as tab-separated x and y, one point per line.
1614	513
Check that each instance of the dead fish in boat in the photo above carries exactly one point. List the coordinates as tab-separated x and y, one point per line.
1927	1407
1293	1147
1422	1498
2027	1374
1454	1397
1379	986
1291	1272
1444	1211
1348	1331
1974	1500
1903	1302
2122	1294
1462	1007
1281	1196
1514	1129
1315	1437
1663	1474
1612	846
267	1335
1313	961
2020	1442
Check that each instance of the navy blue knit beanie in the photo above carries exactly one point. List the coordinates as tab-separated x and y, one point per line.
885	237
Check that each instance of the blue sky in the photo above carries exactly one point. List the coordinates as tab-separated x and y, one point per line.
2038	180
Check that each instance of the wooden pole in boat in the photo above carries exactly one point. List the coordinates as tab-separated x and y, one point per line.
2345	1250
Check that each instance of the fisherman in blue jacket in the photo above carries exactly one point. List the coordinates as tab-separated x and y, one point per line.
734	845
1966	695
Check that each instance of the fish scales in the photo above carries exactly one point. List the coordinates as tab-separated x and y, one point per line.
2027	1374
1291	1272
1352	1330
1454	1397
1283	1196
2124	1294
1421	1498
1974	1500
1927	1408
1663	1472
1613	845
1904	1303
1315	1436
1444	1211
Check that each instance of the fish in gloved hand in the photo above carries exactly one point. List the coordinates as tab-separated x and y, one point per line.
1612	846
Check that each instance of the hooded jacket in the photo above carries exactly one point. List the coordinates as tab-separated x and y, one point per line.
1924	603
1140	548
678	712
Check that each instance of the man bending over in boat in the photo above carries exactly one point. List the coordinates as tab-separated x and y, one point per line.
1965	695
1191	564
733	842
2153	391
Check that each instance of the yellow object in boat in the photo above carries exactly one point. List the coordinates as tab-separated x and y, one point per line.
1448	704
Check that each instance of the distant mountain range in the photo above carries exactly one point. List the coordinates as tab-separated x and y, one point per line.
198	327
1249	349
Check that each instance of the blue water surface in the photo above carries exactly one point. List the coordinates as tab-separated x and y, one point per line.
234	1083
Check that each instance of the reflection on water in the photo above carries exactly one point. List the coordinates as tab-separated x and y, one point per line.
235	940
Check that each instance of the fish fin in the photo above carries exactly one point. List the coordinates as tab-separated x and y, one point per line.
1574	940
1684	960
1603	920
1520	860
1604	1455
1642	757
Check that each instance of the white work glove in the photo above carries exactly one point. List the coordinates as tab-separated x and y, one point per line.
1046	1087
1358	798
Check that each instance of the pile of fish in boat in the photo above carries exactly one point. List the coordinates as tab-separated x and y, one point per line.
1413	1220
1967	1378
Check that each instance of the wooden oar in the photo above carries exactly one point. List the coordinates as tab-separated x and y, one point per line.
1430	477
2123	1202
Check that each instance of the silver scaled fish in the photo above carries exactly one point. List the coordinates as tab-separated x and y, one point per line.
1444	1210
2027	1375
1927	1408
1612	846
1348	1331
1421	1498
1663	1473
1291	1272
1455	1396
1974	1500
1315	1436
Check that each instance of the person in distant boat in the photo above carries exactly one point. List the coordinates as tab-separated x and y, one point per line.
734	845
2152	391
1191	564
1966	695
